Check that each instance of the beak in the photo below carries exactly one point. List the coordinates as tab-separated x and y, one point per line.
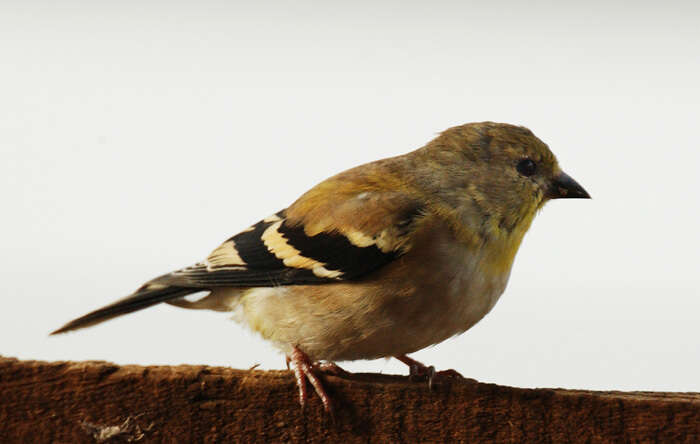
564	187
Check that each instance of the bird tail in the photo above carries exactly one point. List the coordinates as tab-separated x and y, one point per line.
144	297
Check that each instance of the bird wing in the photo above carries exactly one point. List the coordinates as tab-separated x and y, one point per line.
295	246
340	230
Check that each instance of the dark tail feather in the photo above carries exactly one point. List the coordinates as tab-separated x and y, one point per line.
137	301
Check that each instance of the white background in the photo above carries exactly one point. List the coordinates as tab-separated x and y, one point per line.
136	136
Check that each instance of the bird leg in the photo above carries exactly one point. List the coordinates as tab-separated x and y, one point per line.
304	370
418	370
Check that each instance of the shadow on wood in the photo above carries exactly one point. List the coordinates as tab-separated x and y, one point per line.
102	402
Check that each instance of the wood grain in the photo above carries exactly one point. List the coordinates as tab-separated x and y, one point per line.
83	402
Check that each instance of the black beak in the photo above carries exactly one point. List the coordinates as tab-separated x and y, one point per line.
564	187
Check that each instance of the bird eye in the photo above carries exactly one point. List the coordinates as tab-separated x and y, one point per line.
526	167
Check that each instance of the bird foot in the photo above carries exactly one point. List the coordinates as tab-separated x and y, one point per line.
418	371
331	368
305	370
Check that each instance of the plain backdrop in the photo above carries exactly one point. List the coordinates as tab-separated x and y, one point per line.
136	136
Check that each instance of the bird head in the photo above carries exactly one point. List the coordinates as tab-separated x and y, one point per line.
494	176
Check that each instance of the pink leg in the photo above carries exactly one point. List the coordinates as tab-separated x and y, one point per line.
303	370
420	370
301	383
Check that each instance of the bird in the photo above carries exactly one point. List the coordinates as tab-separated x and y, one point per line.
378	261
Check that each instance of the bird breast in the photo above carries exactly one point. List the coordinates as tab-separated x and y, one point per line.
440	288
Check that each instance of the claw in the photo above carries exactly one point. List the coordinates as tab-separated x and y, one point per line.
331	368
431	375
418	370
305	370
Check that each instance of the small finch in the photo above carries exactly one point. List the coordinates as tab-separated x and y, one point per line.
381	260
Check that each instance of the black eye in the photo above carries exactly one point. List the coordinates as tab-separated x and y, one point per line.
526	167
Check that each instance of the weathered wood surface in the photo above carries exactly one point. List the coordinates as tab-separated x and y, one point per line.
76	402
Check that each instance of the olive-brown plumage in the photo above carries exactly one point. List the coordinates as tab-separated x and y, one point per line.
380	260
